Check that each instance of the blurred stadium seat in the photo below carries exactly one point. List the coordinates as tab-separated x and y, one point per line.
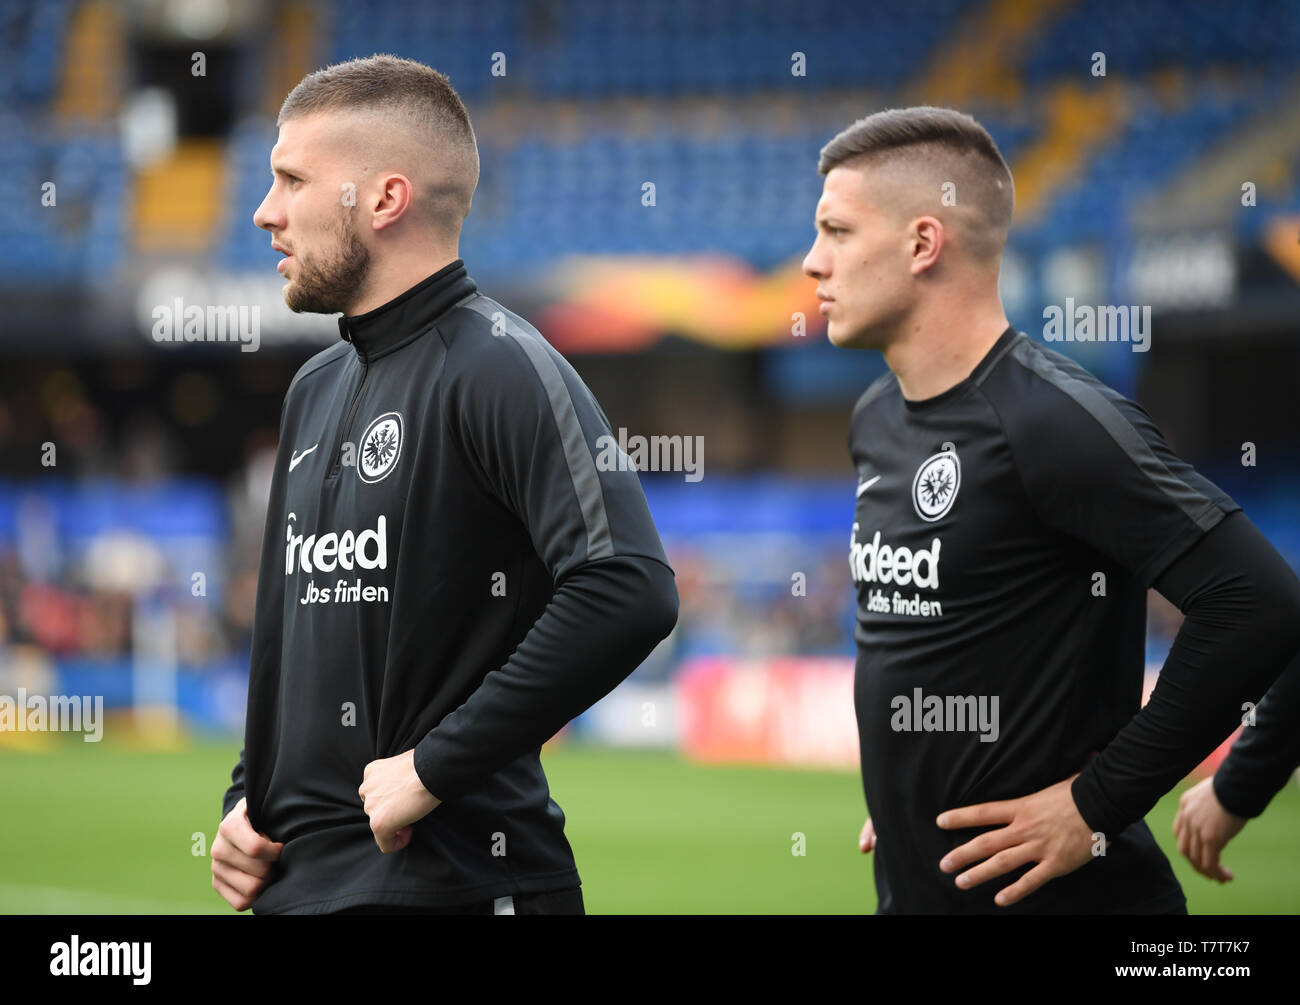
587	102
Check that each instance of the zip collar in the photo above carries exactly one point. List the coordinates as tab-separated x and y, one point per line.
407	315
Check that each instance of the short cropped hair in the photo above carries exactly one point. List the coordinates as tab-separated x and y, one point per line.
928	134
410	90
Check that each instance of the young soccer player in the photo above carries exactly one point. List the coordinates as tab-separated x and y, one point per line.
1011	513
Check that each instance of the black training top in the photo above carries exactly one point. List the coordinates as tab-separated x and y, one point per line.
1267	753
1004	536
445	569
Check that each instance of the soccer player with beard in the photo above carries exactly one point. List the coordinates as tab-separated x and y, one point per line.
1011	513
446	576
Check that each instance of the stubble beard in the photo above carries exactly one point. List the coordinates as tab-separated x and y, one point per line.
331	285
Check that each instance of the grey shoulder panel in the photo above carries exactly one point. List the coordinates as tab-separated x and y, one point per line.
1086	394
582	466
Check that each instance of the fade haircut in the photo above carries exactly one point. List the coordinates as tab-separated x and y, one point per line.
406	95
931	146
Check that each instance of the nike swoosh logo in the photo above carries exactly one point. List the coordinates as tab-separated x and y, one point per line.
863	486
296	459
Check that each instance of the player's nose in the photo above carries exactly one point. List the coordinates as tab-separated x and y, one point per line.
267	216
813	265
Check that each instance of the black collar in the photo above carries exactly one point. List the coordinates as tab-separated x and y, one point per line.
995	353
404	317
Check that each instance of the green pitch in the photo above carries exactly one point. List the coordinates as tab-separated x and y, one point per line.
99	829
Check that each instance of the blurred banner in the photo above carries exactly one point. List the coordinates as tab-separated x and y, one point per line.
788	712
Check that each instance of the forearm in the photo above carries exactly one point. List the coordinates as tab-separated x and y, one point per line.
1242	626
1266	753
603	621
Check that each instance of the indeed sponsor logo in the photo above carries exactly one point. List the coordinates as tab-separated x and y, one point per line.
881	563
325	553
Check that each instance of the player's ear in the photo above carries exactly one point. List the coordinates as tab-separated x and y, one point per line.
925	242
392	200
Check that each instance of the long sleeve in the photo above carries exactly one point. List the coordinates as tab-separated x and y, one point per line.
602	623
1241	603
1267	752
1096	468
236	790
539	443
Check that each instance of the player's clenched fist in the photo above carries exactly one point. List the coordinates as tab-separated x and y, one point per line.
394	798
241	858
